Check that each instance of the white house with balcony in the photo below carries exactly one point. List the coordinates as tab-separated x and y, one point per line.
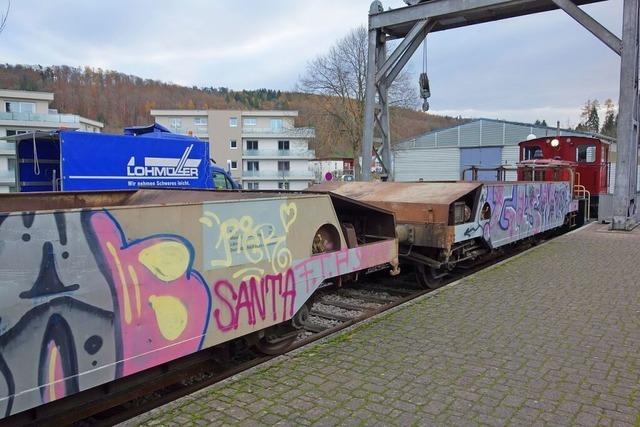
275	153
262	148
24	111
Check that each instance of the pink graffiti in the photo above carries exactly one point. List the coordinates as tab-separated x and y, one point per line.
150	307
275	298
254	300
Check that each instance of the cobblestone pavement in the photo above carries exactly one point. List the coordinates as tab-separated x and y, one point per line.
548	338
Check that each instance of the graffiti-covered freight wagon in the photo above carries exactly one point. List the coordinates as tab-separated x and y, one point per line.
444	225
98	286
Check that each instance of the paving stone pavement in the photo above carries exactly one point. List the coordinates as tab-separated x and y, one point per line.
548	338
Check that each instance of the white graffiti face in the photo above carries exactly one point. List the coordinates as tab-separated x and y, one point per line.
518	211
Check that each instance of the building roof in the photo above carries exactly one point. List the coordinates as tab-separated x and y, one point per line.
26	94
486	132
243	113
178	112
267	113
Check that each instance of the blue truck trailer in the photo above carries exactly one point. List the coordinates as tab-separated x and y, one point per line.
143	157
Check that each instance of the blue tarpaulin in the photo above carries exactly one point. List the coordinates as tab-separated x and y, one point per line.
93	161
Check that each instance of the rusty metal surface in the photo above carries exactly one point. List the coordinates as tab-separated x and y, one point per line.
413	202
15	202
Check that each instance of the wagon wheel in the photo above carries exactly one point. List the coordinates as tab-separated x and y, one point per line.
274	346
427	277
282	338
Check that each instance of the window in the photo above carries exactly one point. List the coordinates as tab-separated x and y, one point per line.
586	153
249	122
276	124
253	166
252	185
530	152
221	181
11	164
13	132
20	107
284	166
234	164
176	123
233	122
283	145
252	145
233	144
283	185
200	121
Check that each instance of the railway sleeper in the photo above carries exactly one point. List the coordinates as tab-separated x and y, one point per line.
369	297
350	306
333	316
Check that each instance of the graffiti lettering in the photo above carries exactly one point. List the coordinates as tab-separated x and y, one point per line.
518	211
272	296
96	304
242	241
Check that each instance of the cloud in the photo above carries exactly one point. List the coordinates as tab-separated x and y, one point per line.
522	67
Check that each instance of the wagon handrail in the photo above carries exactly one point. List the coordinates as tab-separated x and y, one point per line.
580	191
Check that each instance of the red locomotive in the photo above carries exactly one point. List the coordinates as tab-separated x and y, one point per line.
586	158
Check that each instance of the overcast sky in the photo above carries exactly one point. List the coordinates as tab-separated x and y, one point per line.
535	67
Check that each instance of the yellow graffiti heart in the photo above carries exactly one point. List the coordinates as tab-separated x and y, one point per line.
166	260
288	214
171	315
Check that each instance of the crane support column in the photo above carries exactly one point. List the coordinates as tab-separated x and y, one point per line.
370	98
625	197
382	118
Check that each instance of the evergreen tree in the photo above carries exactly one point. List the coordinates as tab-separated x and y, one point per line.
593	122
590	119
609	126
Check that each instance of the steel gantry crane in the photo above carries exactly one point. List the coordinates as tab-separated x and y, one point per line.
421	17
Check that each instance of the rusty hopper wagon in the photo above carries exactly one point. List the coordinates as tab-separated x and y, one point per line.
443	225
97	286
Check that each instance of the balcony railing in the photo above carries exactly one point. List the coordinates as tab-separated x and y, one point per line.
201	131
7	148
284	132
7	177
301	154
278	174
37	117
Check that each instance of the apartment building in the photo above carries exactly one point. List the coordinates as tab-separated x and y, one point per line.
24	111
263	149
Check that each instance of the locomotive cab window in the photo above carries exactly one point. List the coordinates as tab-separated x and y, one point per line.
586	153
533	152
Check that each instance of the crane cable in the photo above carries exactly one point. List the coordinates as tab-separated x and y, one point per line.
36	162
425	91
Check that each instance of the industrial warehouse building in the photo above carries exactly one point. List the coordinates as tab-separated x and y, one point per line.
443	154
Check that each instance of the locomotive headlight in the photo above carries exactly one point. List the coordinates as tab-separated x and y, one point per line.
555	142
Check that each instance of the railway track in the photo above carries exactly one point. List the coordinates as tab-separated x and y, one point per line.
332	309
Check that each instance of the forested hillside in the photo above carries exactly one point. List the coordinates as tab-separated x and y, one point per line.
120	100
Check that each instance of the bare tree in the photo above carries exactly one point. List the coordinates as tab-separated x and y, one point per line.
3	17
338	77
